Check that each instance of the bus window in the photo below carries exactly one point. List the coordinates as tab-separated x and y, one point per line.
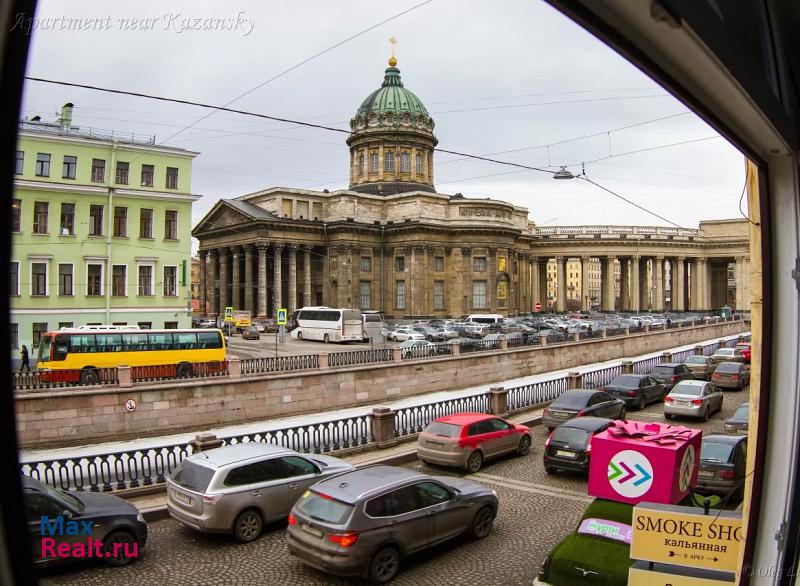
185	340
209	340
61	348
82	343
160	341
109	342
134	342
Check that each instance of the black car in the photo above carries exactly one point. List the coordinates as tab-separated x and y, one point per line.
569	446
671	373
739	421
637	390
722	465
580	403
90	523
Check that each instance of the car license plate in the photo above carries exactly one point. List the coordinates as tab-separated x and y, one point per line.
182	497
565	453
706	474
436	444
681	403
558	413
316	532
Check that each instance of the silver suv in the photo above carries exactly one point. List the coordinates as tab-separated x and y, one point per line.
364	522
237	489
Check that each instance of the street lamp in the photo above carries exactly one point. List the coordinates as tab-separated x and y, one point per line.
563	174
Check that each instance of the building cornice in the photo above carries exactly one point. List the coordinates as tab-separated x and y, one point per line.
84	189
87	141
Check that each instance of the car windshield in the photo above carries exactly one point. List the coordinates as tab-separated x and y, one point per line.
683	389
63	497
663	371
443	429
715	451
192	476
571	435
323	508
570	401
696	360
742	413
626	381
728	367
724	352
742	346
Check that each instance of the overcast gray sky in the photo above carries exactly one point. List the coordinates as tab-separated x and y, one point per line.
496	75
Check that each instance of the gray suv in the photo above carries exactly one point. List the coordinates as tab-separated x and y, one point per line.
364	522
236	489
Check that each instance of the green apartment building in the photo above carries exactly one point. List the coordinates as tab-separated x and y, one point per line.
101	230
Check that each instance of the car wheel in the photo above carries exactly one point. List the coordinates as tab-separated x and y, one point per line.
120	548
326	339
549	470
642	403
668	415
482	523
89	376
623	412
184	370
247	526
474	462
524	446
384	565
299	335
707	413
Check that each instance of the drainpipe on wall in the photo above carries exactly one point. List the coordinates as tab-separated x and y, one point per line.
383	284
109	228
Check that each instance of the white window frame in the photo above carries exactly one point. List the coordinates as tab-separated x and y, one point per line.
485	304
398	285
374	162
46	263
164	280
440	306
362	285
139	266
405	163
58	272
19	266
125	285
102	277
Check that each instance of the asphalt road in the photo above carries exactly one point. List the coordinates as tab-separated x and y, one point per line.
536	511
266	346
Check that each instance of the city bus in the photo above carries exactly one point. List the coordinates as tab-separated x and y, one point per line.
328	324
75	355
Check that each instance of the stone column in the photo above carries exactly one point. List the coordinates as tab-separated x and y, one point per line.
291	303
466	272
224	298
561	283
262	280
680	292
277	299
658	278
248	279
607	291
326	276
644	285
586	303
636	302
202	292
624	287
213	279
236	279
535	287
694	290
307	276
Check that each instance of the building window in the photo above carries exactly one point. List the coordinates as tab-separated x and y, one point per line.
147	175
479	264
145	325
120	222
360	165
170	325
19	162
13	285
39	279
119	276
366	264
438	295
400	302
365	295
171	225
438	264
373	162
65	324
42	165
122	172
170	281
69	167
146	223
388	162
39	328
98	170
145	280
16	215
14	330
172	178
95	220
40	217
405	163
479	295
419	163
65	279
400	264
94	279
67	219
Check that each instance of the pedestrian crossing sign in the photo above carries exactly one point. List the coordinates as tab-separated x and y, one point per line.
282	316
229	314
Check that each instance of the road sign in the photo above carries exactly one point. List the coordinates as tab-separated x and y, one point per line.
684	536
130	405
229	314
663	575
281	316
538	306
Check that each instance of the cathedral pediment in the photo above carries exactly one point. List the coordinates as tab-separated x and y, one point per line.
231	213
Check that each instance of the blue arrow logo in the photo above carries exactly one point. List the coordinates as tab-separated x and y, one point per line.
645	476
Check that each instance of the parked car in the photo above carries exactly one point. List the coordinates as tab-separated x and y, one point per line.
434	335
746	350
364	522
569	445
693	398
580	403
417	349
701	367
236	489
402	334
728	355
111	520
465	440
207	323
738	422
671	373
251	333
731	375
722	464
637	390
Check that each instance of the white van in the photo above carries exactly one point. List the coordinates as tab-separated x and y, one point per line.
372	324
485	318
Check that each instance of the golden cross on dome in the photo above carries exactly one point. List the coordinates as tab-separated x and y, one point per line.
393	58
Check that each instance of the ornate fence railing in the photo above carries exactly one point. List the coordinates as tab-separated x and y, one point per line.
646	365
161	372
356	357
410	420
599	378
55	379
526	396
279	363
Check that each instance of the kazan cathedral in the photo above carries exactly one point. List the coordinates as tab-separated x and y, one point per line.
392	243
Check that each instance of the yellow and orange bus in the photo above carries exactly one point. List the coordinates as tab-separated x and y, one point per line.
76	355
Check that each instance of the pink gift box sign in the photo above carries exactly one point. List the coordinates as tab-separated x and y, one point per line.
635	462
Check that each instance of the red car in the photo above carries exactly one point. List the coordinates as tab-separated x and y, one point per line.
465	440
745	349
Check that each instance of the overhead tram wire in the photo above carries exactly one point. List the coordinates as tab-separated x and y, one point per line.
340	130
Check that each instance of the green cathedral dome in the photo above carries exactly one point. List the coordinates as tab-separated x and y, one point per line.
392	97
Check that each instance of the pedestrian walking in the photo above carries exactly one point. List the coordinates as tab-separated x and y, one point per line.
23	359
